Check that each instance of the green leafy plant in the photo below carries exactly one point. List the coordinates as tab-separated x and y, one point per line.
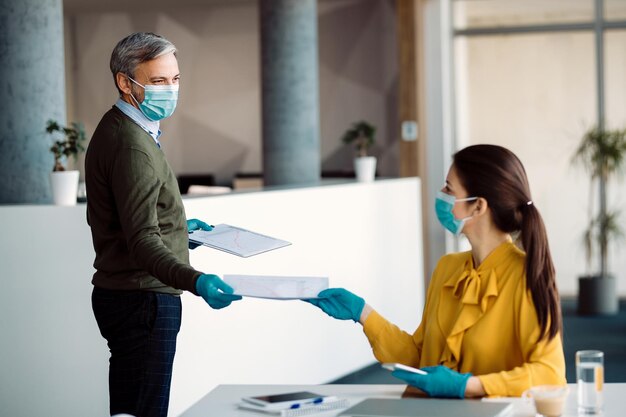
603	154
362	134
69	143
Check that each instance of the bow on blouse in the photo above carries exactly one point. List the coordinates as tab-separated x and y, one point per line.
469	286
474	288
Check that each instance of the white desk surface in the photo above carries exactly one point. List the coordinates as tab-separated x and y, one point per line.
222	401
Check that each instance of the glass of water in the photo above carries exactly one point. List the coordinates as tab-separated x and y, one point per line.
590	378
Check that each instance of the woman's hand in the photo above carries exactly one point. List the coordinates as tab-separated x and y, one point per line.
439	381
339	303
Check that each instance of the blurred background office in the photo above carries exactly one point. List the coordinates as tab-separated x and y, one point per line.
533	76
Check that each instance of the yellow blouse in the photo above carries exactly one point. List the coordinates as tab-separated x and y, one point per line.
479	320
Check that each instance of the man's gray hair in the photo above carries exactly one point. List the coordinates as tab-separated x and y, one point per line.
135	49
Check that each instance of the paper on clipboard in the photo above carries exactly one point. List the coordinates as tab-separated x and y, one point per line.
237	241
277	287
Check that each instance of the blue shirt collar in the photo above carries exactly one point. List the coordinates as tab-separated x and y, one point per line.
138	117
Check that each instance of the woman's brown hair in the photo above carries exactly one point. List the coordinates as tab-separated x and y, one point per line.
497	175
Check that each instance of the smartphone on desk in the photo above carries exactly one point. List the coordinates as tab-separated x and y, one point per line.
399	366
288	400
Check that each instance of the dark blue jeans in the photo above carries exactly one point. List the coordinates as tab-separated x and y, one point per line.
140	328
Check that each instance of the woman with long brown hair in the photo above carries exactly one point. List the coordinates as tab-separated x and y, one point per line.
492	322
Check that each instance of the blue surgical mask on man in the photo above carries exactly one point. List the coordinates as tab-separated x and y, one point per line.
444	204
159	101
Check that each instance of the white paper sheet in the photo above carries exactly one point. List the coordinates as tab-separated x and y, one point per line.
277	287
236	240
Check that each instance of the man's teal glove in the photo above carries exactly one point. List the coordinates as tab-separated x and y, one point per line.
440	381
195	224
215	292
339	303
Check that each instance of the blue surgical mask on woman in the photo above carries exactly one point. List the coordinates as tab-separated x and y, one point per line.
444	204
159	101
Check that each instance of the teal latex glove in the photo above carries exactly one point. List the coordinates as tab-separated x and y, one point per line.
215	292
440	381
195	224
339	303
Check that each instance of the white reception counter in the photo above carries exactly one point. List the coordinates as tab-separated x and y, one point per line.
365	237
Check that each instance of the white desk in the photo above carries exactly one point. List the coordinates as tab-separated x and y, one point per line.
222	401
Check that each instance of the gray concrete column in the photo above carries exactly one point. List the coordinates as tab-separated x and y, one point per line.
290	91
32	87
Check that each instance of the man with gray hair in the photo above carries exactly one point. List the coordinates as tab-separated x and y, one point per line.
139	230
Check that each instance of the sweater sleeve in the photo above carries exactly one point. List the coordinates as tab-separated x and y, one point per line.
545	361
136	186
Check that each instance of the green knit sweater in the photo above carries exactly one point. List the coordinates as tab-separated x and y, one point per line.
135	211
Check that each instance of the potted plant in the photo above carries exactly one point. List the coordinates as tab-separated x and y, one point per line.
67	142
362	134
602	153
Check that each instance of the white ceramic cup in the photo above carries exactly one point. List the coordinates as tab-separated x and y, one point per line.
549	400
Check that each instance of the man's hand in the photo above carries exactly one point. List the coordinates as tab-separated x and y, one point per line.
215	292
195	224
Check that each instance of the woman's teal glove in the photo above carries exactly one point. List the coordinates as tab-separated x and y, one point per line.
439	382
195	224
339	303
215	292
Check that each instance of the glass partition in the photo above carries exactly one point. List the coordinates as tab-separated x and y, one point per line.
504	13
615	80
615	9
536	95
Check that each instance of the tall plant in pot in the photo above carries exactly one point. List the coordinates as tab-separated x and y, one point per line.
603	155
363	136
67	142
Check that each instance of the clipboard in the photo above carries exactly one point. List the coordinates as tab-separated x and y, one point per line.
236	240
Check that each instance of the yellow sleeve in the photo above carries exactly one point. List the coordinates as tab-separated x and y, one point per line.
545	361
390	343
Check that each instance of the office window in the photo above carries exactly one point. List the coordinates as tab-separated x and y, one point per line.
614	70
615	9
526	77
498	13
534	93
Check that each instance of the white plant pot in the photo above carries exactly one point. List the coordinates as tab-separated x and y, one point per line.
365	168
64	187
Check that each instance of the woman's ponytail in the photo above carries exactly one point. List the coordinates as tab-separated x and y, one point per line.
540	273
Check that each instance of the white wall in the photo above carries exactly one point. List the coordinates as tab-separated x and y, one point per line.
365	237
217	127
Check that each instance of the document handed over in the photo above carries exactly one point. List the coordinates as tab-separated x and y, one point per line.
276	287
